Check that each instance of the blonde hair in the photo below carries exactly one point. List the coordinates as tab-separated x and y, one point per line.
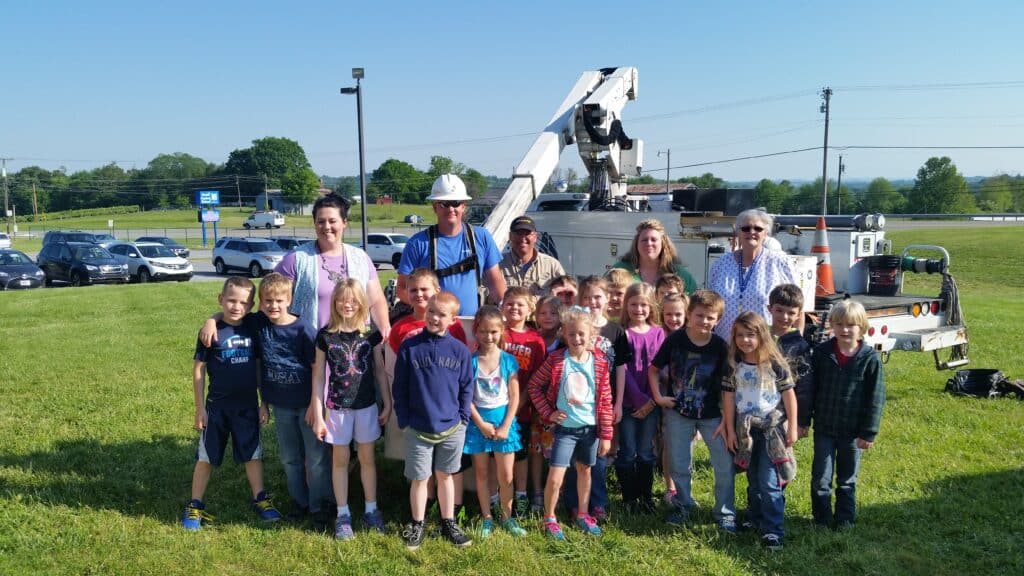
672	299
348	288
521	292
708	299
424	274
574	315
645	291
448	300
768	354
490	312
667	260
618	278
850	312
275	283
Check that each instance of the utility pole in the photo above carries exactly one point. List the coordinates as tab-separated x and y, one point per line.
35	205
238	191
7	207
839	185
668	168
266	200
826	94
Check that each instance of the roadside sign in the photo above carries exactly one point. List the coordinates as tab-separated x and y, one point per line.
110	224
204	197
211	215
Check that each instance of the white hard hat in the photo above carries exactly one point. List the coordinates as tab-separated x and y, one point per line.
448	187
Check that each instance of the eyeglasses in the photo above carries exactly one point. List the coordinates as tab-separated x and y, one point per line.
757	229
451	203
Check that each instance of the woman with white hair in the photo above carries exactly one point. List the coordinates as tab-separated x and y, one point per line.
745	277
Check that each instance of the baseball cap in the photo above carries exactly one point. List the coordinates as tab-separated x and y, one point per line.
523	223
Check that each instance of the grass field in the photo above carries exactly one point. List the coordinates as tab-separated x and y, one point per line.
97	448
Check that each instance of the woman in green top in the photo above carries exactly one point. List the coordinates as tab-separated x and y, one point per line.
652	254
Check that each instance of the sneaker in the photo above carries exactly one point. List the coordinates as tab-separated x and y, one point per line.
552	529
678	517
728	526
412	535
486	528
195	513
588	524
265	508
296	514
772	542
375	520
521	506
512	527
537	503
451	532
343	528
599	513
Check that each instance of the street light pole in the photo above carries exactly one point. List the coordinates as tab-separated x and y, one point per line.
826	94
668	167
357	73
839	185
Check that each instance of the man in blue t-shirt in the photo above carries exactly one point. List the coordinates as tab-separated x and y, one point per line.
462	266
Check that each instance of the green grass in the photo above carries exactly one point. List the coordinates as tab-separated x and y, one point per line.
96	458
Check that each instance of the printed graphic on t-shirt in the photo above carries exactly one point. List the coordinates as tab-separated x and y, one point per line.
236	350
577	388
607	347
348	361
522	353
692	374
488	387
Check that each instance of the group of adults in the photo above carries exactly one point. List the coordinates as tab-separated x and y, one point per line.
469	263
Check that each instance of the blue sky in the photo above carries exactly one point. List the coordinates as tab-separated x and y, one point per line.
89	83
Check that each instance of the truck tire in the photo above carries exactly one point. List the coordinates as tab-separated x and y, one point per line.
219	266
396	259
269	225
255	270
246	225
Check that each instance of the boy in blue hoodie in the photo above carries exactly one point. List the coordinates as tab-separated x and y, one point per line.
433	390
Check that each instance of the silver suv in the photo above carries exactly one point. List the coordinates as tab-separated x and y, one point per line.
256	255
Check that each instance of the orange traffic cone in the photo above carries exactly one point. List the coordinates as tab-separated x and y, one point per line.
826	286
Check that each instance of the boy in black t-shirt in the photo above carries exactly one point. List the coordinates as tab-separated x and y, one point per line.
691	403
231	407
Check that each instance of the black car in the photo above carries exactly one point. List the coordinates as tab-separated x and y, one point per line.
18	271
81	264
58	236
289	242
178	249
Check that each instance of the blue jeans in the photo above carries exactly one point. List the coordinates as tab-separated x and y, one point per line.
598	487
306	460
766	501
636	440
679	433
842	457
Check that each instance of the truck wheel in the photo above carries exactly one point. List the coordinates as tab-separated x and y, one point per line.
396	259
269	225
246	225
143	275
219	266
255	270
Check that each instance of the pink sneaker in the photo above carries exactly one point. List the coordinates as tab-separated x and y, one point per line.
599	513
552	529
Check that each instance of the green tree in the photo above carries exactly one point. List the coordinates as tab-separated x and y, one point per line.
881	196
940	189
299	186
27	180
444	165
270	157
476	183
645	179
996	194
399	180
771	195
171	180
706	181
347	186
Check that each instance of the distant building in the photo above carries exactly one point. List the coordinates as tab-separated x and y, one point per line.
272	200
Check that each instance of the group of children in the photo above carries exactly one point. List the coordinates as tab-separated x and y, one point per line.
598	369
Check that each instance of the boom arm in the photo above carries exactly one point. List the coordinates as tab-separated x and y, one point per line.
589	116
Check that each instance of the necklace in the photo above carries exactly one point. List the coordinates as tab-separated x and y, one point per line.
335	275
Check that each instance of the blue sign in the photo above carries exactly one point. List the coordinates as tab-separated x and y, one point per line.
204	197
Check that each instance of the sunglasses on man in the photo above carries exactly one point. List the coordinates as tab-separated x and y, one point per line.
451	203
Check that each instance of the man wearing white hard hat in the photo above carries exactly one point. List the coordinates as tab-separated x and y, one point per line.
464	257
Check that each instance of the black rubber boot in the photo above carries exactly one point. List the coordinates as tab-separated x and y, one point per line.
644	487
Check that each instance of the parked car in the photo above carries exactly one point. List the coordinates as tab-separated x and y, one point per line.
151	261
178	249
271	219
413	219
288	242
257	255
104	239
385	247
18	271
81	264
57	236
5	240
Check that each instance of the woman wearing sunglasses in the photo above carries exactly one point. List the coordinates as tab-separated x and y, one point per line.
745	277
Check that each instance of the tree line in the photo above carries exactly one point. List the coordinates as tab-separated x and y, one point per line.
171	181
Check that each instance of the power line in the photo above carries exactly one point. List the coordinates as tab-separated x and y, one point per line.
927	87
738	158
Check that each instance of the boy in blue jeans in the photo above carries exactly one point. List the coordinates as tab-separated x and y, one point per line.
231	408
696	360
848	396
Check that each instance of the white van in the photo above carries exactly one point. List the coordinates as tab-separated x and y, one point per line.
271	219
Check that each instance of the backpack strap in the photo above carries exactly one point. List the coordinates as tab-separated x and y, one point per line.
465	265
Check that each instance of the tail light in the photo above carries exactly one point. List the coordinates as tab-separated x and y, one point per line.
935	307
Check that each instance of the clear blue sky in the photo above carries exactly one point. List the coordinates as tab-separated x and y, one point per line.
86	83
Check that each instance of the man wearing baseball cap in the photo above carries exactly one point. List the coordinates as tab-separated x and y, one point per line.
464	257
524	265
